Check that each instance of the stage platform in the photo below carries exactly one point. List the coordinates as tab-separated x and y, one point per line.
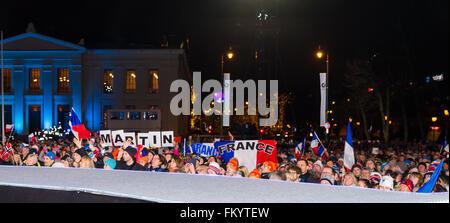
187	188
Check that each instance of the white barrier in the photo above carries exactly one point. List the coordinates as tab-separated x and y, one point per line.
180	187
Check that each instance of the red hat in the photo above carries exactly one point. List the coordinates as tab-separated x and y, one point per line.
255	174
271	166
233	163
409	184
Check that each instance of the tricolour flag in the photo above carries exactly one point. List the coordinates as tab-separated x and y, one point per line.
317	146
349	155
9	127
8	150
299	148
78	129
249	153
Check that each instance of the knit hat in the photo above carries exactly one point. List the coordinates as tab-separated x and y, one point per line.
111	163
384	165
32	150
328	178
233	163
110	155
81	152
375	177
214	167
271	166
50	155
132	152
193	161
255	174
409	184
387	181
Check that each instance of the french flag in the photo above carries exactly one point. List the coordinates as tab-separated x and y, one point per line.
299	148
78	129
316	146
249	153
349	156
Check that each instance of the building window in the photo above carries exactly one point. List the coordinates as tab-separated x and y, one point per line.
7	80
133	115
154	83
35	79
150	116
63	116
131	82
105	115
117	115
8	114
108	81
63	80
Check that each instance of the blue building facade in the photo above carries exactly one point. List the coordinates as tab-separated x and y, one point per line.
45	77
32	64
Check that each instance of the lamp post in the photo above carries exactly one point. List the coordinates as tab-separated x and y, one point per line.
229	54
433	119
320	54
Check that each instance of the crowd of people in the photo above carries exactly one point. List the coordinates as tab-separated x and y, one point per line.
395	166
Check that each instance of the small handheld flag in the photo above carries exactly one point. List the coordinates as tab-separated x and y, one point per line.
8	150
317	146
349	156
9	127
299	148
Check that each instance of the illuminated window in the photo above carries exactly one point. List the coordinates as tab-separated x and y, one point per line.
63	80
108	81
150	116
7	80
154	83
35	79
131	82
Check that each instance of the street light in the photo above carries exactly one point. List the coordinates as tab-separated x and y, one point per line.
319	54
433	119
230	55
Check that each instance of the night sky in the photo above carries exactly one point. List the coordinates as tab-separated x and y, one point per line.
348	29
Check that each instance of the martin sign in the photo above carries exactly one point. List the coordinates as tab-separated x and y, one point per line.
153	139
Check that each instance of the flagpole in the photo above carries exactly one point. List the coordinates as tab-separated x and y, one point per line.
3	104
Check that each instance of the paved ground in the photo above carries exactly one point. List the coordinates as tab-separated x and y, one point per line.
177	187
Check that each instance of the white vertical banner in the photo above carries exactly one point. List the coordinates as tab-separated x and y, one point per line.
227	97
323	98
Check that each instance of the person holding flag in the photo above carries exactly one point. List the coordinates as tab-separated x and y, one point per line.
349	155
